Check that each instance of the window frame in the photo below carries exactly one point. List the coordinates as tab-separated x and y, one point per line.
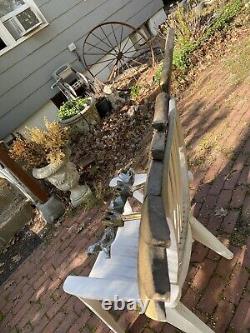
7	37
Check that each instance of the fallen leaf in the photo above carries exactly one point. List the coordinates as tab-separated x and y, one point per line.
221	212
81	227
16	258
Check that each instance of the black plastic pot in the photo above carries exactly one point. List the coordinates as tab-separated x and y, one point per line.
103	106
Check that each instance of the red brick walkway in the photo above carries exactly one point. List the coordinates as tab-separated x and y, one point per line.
217	290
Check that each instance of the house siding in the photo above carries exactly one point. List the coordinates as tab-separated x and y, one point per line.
25	71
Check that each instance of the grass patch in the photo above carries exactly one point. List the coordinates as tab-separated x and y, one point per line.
239	64
203	151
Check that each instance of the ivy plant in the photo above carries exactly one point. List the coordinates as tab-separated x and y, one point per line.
72	107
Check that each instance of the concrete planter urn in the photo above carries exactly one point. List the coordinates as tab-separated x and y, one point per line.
81	122
64	176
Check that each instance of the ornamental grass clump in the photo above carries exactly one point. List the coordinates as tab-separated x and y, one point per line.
40	147
72	107
194	23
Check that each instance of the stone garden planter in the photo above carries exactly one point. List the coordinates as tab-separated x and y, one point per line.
65	177
81	122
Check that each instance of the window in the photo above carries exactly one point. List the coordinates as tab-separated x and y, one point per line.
18	19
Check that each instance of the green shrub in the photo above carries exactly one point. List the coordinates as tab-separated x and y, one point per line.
181	55
72	107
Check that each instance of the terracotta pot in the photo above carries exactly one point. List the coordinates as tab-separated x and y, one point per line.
64	176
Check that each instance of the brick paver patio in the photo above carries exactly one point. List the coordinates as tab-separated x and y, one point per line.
217	290
32	300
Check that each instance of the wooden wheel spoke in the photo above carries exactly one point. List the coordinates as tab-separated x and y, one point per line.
127	65
123	64
112	73
118	69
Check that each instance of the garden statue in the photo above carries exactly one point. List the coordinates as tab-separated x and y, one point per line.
113	218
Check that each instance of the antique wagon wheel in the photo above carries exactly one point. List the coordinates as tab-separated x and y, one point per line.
108	45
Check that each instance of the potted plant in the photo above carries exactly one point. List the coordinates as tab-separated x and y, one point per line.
103	106
46	154
78	114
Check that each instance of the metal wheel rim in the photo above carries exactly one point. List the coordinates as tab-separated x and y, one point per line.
119	44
